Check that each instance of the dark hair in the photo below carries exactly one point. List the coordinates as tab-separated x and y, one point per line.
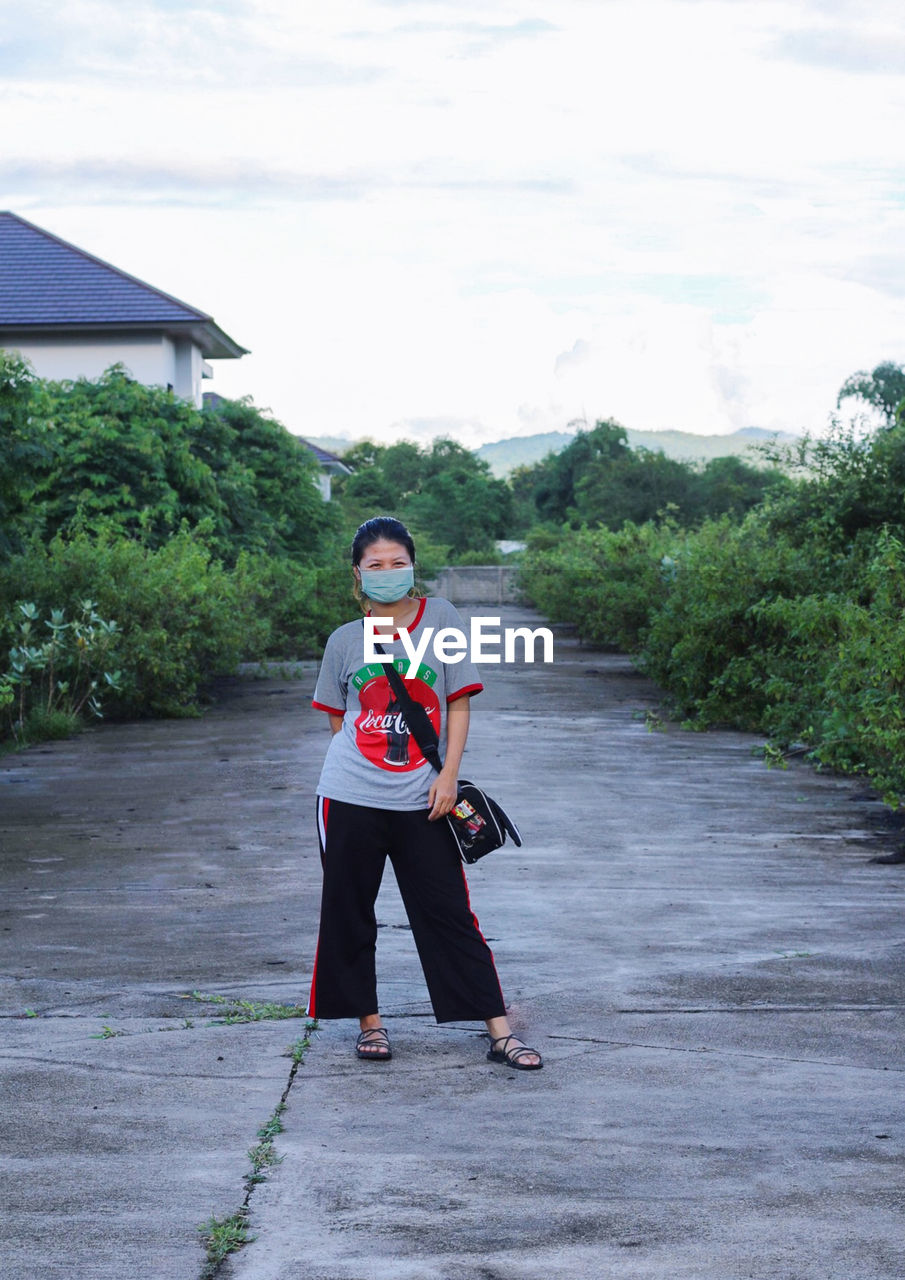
381	527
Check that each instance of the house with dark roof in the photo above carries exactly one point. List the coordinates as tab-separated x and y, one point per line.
330	466
73	315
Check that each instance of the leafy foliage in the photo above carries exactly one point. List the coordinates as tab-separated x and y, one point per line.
266	481
599	480
200	532
445	494
112	454
789	622
23	444
883	389
180	617
52	677
609	583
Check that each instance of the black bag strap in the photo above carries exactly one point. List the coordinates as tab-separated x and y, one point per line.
416	717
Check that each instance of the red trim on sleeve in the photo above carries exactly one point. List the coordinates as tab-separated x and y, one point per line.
460	693
411	626
334	711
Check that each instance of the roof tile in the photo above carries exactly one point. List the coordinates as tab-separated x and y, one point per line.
45	280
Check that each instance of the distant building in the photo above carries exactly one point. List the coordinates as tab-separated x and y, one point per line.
73	315
330	464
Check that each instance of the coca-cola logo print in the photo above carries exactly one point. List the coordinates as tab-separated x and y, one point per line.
381	731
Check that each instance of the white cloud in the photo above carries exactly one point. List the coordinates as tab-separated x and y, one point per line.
578	355
682	214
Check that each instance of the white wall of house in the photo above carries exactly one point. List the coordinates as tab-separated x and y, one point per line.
189	368
151	358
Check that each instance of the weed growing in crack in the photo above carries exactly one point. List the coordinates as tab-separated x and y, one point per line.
274	1125
296	1050
262	1155
223	1236
237	1011
107	1033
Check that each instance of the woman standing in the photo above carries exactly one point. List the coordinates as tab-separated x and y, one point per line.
377	796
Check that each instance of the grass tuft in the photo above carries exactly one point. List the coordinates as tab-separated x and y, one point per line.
237	1010
221	1237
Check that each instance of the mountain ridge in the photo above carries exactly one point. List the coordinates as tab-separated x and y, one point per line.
685	446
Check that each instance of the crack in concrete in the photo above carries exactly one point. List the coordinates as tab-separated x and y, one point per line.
210	1271
771	1008
726	1053
118	1068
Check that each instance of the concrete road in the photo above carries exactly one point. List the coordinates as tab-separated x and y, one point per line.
699	946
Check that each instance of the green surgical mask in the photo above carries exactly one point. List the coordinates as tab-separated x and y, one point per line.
385	586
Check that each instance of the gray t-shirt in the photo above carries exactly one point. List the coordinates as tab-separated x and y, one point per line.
374	760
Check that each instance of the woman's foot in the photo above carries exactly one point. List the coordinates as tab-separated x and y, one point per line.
514	1053
506	1047
373	1041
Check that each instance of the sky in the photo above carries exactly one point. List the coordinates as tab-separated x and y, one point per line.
486	219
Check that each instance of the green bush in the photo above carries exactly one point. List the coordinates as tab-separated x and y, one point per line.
113	454
58	670
182	619
609	584
708	643
295	606
741	626
472	556
862	728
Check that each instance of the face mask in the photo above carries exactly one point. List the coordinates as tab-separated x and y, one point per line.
387	585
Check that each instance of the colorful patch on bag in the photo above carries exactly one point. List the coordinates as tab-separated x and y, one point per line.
467	814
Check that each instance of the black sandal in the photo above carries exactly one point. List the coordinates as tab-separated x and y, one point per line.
379	1037
511	1056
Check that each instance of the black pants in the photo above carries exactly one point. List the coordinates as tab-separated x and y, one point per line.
457	962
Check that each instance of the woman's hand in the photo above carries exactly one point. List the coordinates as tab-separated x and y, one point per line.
442	795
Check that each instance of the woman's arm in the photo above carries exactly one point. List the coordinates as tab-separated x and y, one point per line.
336	722
442	795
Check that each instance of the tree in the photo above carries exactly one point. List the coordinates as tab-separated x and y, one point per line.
285	514
851	486
558	475
635	486
733	486
444	491
122	458
113	454
883	389
24	446
598	480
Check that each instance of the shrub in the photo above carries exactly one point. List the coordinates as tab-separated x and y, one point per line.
54	679
708	645
295	606
609	584
181	617
863	723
